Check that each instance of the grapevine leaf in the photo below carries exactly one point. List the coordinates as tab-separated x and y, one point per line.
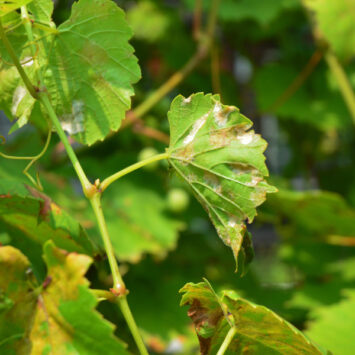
335	20
65	317
16	101
62	316
91	70
7	6
138	228
41	10
214	151
259	330
332	325
31	218
17	302
148	21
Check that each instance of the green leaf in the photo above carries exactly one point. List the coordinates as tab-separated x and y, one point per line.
214	151
148	22
335	20
31	218
332	326
62	319
136	227
41	10
259	330
17	302
7	6
317	102
91	70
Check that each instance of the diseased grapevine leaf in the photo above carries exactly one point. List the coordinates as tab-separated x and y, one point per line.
7	6
62	316
214	151
259	330
31	218
332	326
335	20
91	70
17	302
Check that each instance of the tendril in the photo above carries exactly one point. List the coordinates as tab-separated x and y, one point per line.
33	159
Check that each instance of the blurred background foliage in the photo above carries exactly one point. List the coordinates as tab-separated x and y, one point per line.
268	59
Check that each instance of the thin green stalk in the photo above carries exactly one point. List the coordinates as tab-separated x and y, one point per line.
343	82
108	181
103	295
227	340
119	286
179	76
87	186
28	28
90	192
31	89
95	201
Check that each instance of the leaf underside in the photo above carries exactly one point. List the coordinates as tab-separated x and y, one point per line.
213	149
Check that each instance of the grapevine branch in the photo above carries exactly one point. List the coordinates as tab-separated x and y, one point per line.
90	190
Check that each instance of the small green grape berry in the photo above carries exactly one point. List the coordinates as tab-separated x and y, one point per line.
148	153
178	200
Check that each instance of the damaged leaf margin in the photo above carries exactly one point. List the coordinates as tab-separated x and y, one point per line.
213	149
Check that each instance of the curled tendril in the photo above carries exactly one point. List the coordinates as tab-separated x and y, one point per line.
33	159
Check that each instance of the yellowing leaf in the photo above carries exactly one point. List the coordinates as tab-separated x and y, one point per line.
258	329
7	6
58	319
213	149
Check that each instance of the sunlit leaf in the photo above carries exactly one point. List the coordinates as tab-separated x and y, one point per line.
91	70
17	302
59	318
332	326
259	330
335	20
7	6
213	149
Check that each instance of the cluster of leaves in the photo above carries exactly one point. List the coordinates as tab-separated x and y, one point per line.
303	268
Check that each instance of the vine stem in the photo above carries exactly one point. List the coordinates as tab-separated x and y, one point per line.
343	82
90	192
119	286
108	181
227	340
31	89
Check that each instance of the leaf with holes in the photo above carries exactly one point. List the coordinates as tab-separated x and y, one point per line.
91	70
259	330
214	151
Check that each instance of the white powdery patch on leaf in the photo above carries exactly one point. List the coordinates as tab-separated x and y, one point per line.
19	94
74	122
195	128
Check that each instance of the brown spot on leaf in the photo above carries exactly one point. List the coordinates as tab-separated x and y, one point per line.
45	203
